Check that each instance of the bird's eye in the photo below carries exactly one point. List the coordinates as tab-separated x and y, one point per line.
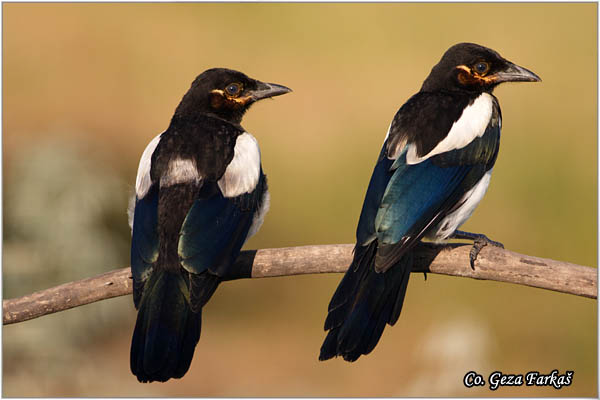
233	89
482	67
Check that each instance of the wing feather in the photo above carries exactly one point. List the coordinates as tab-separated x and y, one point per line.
406	200
216	228
144	241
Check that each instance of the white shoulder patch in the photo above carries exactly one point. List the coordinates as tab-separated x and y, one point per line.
242	173
143	181
471	124
180	170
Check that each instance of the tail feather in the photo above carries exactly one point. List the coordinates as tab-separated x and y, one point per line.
341	302
202	287
166	331
190	339
364	302
405	274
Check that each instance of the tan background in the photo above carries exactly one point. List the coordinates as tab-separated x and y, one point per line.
86	86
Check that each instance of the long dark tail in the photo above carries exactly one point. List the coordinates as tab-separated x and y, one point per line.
167	327
363	303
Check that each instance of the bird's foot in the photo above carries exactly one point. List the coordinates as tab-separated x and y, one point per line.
479	242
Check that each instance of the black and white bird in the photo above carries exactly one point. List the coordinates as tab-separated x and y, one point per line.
200	193
433	170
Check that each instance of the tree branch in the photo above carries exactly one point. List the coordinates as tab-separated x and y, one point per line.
493	264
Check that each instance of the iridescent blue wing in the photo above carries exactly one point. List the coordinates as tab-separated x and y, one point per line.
216	228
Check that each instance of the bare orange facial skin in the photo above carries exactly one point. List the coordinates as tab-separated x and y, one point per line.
466	76
218	99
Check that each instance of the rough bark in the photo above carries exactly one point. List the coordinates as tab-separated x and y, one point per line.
493	263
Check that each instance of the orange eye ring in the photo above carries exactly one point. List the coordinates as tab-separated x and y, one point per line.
233	89
481	68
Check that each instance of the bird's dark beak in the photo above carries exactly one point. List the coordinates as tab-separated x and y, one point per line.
515	73
265	90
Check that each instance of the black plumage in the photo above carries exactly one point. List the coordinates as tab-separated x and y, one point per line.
200	193
432	171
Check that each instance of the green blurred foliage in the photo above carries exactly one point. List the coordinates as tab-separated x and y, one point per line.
86	86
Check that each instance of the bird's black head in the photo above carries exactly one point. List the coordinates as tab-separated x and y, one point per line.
225	93
471	67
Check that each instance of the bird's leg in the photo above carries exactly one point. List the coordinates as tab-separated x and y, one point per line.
479	242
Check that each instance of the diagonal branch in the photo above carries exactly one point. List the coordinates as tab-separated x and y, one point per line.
493	264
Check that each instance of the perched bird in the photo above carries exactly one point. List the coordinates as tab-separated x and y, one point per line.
432	171
200	193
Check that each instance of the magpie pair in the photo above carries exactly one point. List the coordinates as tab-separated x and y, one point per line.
201	193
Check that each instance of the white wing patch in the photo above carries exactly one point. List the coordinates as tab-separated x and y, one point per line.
242	173
471	124
454	220
143	181
259	217
180	170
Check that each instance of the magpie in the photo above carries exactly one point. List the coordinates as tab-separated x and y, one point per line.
432	171
200	193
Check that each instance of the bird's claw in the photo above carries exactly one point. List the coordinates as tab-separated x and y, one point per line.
479	243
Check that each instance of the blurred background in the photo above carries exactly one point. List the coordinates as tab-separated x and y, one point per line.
86	86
